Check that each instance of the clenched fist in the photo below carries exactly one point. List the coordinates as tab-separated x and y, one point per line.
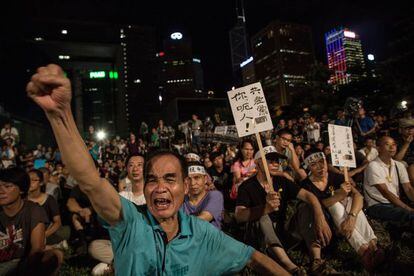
50	89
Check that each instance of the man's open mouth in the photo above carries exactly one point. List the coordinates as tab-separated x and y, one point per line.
162	203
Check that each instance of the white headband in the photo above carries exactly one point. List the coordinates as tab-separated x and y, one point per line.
312	158
196	170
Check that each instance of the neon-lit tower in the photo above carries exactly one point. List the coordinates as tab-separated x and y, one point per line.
345	56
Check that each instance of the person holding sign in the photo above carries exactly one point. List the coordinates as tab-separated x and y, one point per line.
266	209
344	204
157	238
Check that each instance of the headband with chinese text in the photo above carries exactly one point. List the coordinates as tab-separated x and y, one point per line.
196	170
314	157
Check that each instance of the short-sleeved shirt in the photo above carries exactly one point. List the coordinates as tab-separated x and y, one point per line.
334	182
252	194
15	231
140	246
212	203
377	172
366	124
244	170
51	207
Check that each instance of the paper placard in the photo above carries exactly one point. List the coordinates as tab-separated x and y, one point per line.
342	146
250	110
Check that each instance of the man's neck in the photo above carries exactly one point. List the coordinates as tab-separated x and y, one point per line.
35	194
261	177
279	149
13	208
385	158
138	187
170	226
195	199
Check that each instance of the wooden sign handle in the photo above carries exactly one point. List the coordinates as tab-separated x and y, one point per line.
262	155
346	175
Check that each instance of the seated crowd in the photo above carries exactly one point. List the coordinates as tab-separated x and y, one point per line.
308	200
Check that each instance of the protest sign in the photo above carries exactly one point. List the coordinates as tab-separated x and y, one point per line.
342	146
250	110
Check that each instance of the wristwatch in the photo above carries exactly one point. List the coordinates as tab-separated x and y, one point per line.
353	214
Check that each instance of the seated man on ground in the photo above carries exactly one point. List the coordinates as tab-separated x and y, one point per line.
199	202
386	181
256	203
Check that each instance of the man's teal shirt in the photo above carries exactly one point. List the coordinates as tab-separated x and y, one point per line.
140	246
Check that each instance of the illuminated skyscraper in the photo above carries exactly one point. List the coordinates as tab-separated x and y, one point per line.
345	57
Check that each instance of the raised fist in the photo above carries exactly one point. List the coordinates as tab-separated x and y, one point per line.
50	89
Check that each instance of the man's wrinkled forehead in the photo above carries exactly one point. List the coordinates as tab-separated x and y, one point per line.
172	166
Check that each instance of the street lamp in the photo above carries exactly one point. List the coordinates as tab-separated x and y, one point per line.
404	104
371	57
101	135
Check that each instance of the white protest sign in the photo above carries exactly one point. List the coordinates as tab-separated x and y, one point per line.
220	130
342	146
249	108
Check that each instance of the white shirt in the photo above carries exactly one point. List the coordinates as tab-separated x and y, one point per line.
138	200
371	155
377	172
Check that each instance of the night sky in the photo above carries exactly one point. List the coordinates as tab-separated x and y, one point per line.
208	22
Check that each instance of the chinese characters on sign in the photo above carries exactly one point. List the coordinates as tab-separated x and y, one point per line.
249	108
342	146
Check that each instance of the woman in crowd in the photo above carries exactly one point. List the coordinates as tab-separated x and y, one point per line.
244	166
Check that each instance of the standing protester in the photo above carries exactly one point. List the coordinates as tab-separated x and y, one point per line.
9	132
365	126
157	238
196	125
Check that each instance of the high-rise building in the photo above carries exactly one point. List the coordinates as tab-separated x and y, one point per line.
110	67
181	74
239	46
345	56
282	55
247	71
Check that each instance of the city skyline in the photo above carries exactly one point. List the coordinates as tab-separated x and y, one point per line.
208	24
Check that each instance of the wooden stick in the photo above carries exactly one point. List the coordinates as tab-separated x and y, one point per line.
262	155
346	175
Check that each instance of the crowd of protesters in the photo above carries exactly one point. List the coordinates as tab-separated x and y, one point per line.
45	211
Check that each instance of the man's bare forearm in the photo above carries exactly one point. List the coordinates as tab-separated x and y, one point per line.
264	265
76	157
